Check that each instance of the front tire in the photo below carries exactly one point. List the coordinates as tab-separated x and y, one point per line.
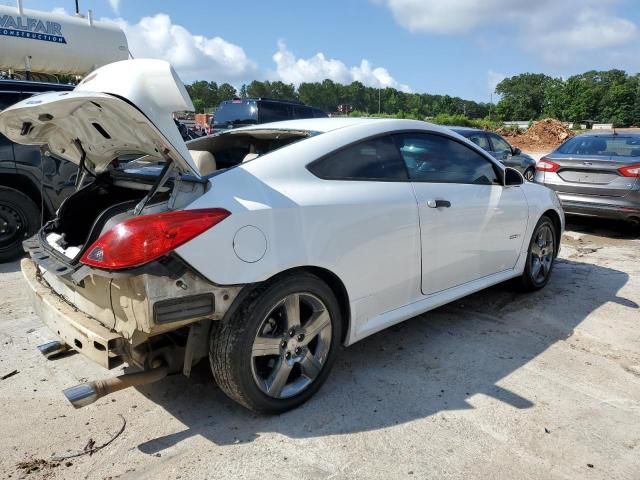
540	255
276	347
19	219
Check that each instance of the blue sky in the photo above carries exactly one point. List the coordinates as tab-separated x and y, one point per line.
455	47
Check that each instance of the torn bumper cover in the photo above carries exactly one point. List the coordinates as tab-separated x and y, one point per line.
76	329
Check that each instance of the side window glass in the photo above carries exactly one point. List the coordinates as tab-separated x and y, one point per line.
300	111
273	112
499	144
439	159
375	159
481	140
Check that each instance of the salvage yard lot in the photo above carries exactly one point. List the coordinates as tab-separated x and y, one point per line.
544	385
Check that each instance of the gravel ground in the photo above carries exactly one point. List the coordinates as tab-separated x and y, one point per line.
496	385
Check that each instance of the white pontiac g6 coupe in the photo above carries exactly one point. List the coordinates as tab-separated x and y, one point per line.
263	248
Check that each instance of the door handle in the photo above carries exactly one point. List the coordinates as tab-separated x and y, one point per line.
438	203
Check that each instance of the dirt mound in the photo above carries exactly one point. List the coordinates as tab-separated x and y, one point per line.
543	135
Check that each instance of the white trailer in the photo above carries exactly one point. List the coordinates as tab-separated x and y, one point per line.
51	43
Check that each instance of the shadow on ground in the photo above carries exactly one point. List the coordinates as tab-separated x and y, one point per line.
602	227
429	364
10	267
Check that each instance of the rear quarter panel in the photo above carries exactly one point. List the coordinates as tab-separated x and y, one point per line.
366	233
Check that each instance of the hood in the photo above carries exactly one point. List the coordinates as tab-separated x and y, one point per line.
120	109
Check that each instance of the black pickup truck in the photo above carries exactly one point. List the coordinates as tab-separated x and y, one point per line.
31	186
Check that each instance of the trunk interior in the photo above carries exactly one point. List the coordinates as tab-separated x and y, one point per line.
83	216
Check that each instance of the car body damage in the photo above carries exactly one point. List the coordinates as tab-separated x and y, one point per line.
262	248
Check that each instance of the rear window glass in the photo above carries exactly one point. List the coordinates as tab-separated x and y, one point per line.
374	159
234	114
618	146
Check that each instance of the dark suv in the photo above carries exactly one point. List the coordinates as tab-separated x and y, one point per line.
249	111
31	187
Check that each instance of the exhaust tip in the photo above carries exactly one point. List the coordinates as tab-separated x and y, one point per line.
87	393
81	395
51	349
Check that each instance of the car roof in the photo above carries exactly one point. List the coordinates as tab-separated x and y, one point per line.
468	130
322	125
264	99
608	134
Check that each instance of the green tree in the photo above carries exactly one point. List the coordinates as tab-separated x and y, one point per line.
357	95
522	96
611	96
226	92
619	98
204	93
278	90
198	105
322	95
283	91
555	99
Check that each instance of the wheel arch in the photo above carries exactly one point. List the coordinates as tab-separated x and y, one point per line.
27	187
327	276
337	287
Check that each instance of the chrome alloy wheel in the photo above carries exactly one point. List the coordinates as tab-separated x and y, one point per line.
542	252
291	346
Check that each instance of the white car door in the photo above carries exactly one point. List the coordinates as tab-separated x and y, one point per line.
368	193
470	225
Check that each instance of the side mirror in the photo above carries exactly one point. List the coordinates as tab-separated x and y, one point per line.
512	177
515	151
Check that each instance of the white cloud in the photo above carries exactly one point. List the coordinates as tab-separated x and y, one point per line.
458	16
60	11
493	79
194	57
591	30
115	5
555	30
197	57
294	70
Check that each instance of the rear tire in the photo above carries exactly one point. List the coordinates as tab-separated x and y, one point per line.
19	219
277	345
529	173
540	256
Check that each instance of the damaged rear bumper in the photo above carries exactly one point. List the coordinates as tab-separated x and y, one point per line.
76	329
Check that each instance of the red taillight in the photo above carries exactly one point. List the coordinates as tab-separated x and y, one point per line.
139	240
546	165
630	170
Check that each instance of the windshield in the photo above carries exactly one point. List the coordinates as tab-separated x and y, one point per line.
235	113
602	146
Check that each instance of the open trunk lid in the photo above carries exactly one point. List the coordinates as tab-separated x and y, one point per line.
120	109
